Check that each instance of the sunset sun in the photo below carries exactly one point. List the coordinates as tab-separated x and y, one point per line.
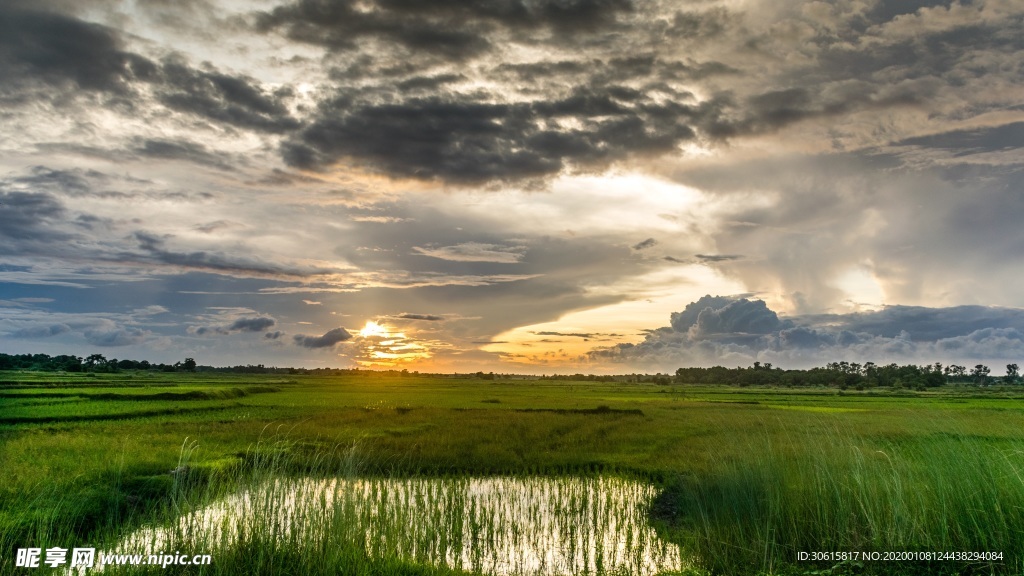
373	329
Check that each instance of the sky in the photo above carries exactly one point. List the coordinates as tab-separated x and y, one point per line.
531	186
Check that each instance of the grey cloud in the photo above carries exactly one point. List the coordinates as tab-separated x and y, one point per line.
974	141
730	331
115	336
428	83
926	324
222	97
650	242
69	53
61	49
474	252
181	150
29	216
154	249
273	335
833	213
43	331
327	340
462	139
244	324
258	324
718	257
427	317
683	321
448	28
75	182
739	317
567	334
701	25
211	227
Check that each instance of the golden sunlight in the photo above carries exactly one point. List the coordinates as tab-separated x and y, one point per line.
373	329
381	348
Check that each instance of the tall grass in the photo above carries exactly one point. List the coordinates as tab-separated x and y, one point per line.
336	516
836	492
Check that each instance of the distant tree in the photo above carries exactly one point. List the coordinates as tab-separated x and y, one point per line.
189	365
93	360
1012	374
954	372
980	374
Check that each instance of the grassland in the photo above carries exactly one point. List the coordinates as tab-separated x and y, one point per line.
749	477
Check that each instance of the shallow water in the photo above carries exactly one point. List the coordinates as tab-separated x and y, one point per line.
497	525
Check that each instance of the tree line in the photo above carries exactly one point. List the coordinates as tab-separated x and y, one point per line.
91	363
850	375
837	374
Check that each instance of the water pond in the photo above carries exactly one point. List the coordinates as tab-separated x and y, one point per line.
494	525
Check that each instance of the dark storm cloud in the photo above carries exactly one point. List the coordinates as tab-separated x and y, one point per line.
231	99
650	242
71	54
622	106
329	339
448	28
736	331
58	49
458	138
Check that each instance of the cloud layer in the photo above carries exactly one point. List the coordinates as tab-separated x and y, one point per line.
274	174
737	331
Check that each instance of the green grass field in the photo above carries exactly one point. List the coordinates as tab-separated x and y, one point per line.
748	478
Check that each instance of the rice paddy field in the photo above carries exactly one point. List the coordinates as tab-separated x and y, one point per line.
433	475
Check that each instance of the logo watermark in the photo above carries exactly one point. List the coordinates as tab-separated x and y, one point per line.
81	559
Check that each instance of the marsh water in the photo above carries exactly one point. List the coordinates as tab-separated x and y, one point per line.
495	525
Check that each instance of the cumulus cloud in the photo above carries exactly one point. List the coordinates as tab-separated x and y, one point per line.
327	340
737	331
